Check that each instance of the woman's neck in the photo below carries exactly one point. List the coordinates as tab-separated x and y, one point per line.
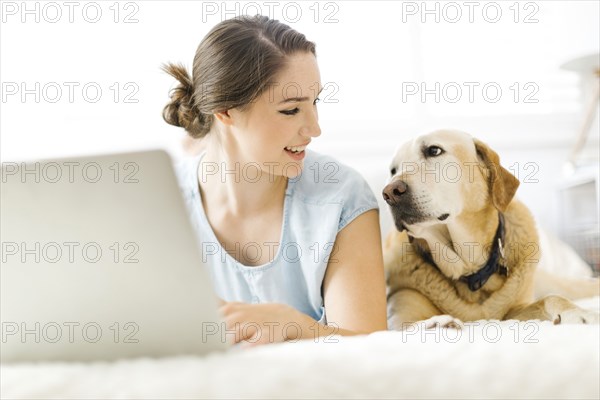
235	185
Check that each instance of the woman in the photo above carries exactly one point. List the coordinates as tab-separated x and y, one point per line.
286	233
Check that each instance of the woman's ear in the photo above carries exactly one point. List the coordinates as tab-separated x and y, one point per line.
224	117
501	183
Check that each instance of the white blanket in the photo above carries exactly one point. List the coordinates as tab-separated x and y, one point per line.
487	359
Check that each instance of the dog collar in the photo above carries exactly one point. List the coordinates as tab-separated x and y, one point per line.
476	280
479	278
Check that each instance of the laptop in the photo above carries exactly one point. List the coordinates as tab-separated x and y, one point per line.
100	262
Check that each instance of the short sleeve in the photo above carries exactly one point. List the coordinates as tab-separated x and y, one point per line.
358	198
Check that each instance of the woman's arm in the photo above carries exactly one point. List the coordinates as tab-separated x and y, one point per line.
353	293
354	285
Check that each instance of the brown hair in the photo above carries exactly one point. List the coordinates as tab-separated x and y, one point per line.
234	64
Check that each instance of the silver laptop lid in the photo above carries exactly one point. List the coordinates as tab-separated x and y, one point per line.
99	262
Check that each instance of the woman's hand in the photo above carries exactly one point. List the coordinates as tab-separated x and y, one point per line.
255	324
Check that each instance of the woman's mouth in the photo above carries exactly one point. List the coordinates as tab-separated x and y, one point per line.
296	152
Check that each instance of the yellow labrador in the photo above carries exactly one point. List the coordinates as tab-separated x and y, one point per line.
464	249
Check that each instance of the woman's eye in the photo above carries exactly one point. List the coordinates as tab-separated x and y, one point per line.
290	112
434	151
393	171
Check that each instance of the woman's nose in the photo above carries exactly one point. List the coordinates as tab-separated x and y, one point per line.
312	127
314	130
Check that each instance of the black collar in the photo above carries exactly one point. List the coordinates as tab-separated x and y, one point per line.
476	280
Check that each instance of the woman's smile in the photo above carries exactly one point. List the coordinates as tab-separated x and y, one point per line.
296	155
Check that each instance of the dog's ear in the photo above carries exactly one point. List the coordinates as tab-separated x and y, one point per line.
502	184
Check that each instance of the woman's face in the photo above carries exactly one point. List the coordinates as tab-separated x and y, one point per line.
275	129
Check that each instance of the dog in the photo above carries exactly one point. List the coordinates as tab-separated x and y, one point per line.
464	248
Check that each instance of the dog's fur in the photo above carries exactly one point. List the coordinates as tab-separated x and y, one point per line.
448	207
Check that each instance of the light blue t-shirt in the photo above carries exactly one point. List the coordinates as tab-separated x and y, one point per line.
318	204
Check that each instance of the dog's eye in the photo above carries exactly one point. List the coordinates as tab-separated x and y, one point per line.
393	171
433	151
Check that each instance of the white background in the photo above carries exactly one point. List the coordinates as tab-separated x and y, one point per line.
366	52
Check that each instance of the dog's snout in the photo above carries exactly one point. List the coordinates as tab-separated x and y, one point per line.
393	192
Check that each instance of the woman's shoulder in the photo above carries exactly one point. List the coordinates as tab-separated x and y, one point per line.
325	179
186	172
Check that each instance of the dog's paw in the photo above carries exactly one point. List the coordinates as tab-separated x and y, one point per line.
442	321
577	316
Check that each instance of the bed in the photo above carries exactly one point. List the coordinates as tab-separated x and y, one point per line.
487	359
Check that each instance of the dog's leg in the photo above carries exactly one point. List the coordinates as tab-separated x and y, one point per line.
556	309
443	294
407	306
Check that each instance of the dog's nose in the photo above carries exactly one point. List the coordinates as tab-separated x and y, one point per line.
393	191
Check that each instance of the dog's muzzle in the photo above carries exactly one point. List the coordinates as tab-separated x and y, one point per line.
395	192
398	196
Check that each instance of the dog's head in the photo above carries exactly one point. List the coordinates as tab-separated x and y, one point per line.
439	176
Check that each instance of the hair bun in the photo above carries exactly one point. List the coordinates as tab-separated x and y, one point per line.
181	110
